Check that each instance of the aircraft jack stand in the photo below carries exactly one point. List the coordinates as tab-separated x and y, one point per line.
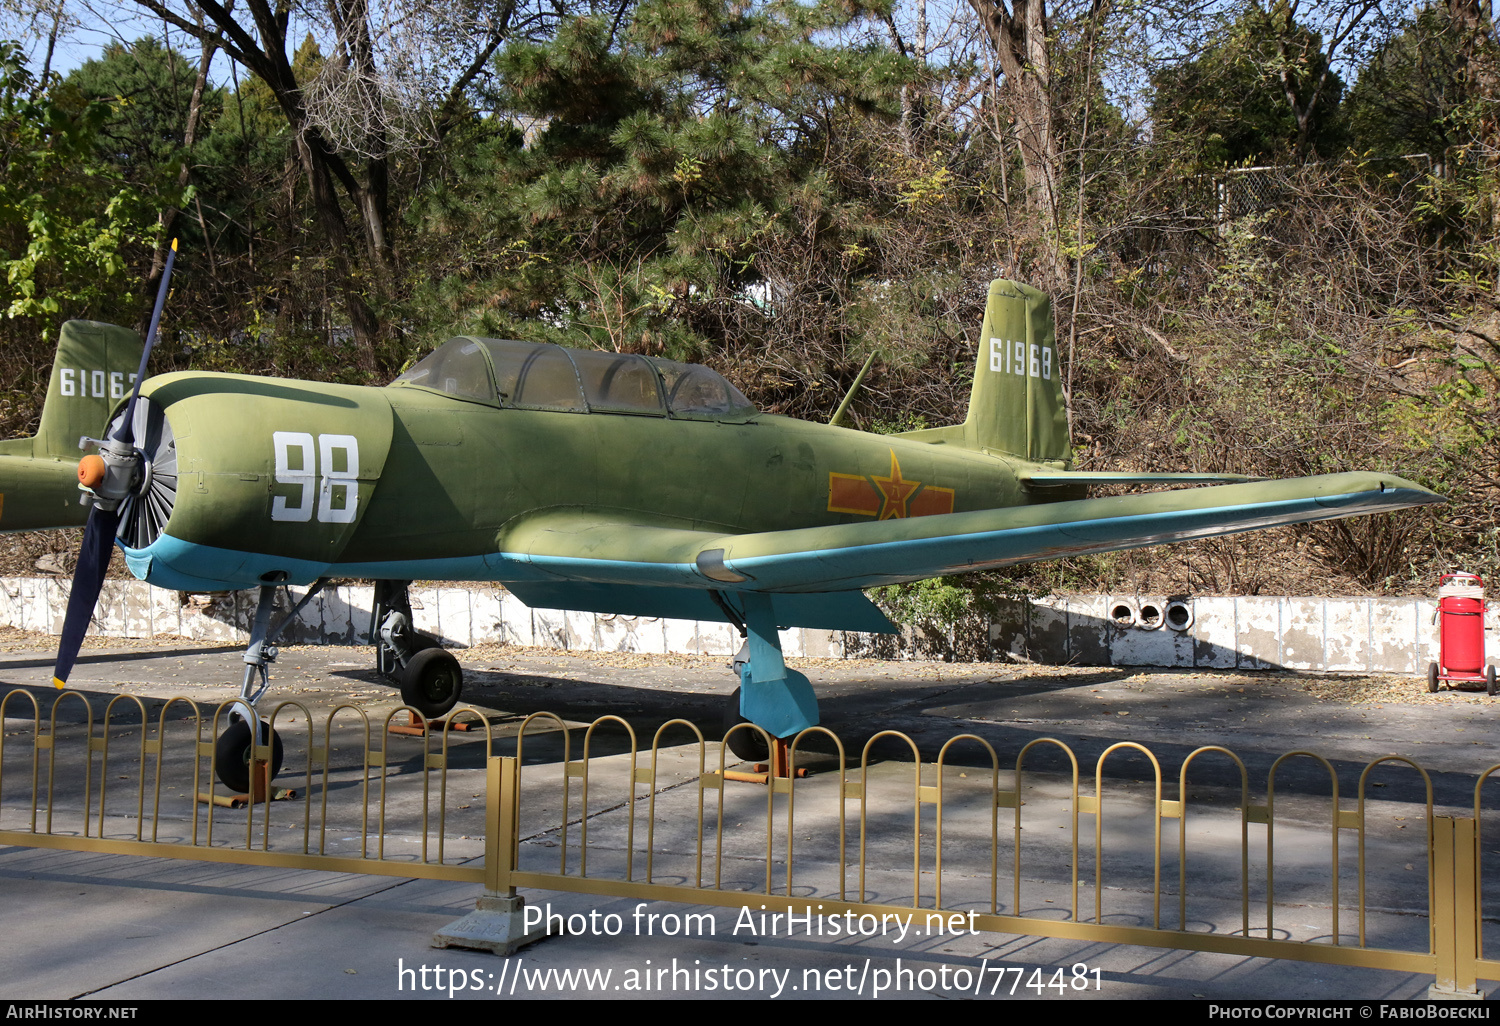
779	767
497	925
416	726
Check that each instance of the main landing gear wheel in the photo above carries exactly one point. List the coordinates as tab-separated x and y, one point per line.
749	745
1489	681
431	681
232	755
1432	681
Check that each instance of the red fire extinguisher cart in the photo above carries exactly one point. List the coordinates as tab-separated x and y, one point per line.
1460	616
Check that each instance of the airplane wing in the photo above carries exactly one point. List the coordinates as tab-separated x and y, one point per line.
890	552
627	564
581	547
1061	478
828	611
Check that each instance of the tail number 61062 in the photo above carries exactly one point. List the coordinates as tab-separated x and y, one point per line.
331	464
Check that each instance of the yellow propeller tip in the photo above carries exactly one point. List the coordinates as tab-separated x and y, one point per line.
59	683
174	245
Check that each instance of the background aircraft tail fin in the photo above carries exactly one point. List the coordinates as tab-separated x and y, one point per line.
1016	407
94	369
95	366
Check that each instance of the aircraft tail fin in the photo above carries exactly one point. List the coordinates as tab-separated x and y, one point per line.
1016	407
94	369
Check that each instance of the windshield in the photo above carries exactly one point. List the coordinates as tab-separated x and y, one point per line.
457	367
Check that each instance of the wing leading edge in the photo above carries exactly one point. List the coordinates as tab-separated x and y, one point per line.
594	547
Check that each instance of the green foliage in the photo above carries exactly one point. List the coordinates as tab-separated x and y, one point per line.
1409	96
148	89
953	614
937	604
66	222
659	164
1228	106
902	421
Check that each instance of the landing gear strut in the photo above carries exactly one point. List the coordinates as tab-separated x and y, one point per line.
429	677
770	695
234	751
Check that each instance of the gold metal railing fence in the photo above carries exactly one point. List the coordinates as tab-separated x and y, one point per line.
972	834
174	806
1445	847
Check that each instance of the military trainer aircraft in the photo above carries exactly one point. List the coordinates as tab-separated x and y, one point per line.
594	481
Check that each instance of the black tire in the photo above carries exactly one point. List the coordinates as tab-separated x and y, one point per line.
1432	681
232	755
432	682
1489	681
749	745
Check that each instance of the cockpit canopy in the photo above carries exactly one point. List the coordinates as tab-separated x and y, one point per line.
538	376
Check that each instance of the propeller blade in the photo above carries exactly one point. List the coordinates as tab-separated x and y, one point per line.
119	453
127	424
88	581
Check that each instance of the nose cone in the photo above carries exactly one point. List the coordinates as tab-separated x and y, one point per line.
91	471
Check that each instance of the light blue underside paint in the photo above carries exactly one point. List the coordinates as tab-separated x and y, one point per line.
173	563
824	610
785	706
168	561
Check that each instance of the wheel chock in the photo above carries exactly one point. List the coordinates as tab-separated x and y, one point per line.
260	789
239	801
779	768
416	726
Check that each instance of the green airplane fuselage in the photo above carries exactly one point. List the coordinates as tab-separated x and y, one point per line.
263	469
